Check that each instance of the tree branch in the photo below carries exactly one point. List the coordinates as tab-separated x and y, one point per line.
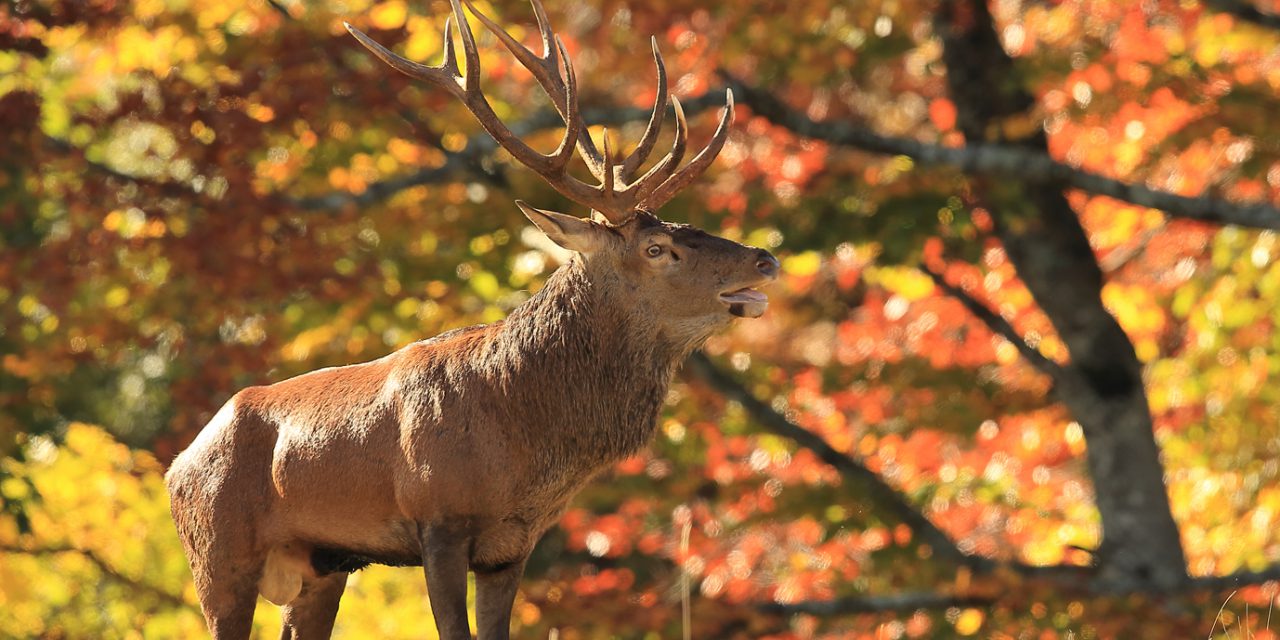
702	368
1066	575
1246	11
852	470
455	164
1025	164
996	159
102	565
1117	259
280	9
998	325
906	602
1233	580
167	186
479	147
470	160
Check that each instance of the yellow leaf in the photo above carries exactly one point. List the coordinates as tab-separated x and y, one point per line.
388	15
904	281
969	622
13	489
1147	349
485	284
116	297
803	265
424	39
407	308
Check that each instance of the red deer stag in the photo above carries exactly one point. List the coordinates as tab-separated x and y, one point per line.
457	453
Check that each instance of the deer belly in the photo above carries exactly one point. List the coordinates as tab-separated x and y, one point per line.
340	496
290	564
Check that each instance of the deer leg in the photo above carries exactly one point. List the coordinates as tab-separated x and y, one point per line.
311	614
444	559
228	594
495	593
224	565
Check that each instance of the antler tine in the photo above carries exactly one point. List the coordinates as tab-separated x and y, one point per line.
450	63
697	166
551	167
616	210
445	75
545	69
544	27
606	183
615	197
667	165
547	64
469	51
586	148
573	125
650	137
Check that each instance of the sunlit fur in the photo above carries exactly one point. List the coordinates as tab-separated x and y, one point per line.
485	432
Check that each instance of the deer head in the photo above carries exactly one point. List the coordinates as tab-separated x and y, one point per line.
692	282
688	280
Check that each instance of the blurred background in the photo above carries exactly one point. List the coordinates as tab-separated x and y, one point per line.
1015	380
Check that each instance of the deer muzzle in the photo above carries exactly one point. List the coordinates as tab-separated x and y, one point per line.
746	302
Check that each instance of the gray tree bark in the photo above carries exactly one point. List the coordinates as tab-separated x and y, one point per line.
1102	386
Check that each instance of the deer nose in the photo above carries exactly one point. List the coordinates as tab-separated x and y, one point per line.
767	264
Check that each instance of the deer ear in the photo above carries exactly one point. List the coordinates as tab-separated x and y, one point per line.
570	232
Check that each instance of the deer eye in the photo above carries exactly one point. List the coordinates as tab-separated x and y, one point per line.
653	251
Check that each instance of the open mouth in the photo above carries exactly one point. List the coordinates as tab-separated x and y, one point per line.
745	302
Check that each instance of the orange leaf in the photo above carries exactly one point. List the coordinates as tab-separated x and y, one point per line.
943	114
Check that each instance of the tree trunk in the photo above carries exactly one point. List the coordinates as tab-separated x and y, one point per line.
1102	385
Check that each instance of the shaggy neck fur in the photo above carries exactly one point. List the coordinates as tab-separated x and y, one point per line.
586	339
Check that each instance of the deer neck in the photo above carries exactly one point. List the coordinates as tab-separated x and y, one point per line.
595	364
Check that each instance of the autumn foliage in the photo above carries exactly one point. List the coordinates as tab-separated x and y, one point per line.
198	196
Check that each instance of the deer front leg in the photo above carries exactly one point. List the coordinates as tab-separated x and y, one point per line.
495	593
310	616
444	559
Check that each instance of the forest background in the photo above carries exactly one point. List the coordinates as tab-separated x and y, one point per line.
1015	382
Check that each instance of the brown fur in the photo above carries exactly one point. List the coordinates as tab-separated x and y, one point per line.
470	444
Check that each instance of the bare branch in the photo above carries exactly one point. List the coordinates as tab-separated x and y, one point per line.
165	186
1065	576
852	470
1121	257
1072	578
998	325
882	493
1025	164
1245	10
466	162
477	148
455	165
1011	160
1233	580
903	602
102	565
280	9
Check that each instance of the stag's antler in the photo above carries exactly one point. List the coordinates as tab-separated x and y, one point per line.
618	195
